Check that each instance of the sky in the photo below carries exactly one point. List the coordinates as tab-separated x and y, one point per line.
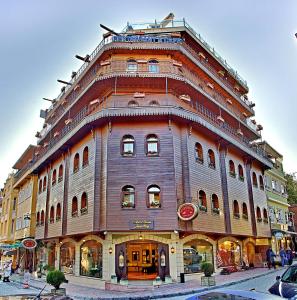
39	39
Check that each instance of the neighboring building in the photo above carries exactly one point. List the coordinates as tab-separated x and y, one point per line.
277	198
158	120
26	184
8	216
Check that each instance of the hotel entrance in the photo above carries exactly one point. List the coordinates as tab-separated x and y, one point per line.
142	260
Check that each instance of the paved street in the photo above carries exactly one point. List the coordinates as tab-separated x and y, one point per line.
260	284
13	288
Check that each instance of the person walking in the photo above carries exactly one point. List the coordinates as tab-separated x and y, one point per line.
283	255
289	253
270	258
7	272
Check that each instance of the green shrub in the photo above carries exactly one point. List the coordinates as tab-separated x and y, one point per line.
56	278
207	268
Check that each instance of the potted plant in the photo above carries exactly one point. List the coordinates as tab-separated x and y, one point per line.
56	278
208	269
124	280
157	281
203	208
216	210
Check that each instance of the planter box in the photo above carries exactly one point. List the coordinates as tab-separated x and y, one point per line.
208	281
59	292
157	282
168	279
114	279
124	282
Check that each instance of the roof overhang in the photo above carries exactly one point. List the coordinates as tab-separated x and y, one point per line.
25	157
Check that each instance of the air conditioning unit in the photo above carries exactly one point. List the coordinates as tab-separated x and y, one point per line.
186	98
139	95
221	119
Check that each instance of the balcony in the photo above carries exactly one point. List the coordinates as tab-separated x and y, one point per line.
169	69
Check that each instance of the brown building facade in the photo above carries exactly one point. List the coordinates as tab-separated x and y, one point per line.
152	120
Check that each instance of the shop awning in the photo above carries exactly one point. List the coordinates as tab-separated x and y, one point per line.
10	252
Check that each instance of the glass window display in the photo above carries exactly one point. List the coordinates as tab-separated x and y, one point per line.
67	258
91	259
195	253
228	254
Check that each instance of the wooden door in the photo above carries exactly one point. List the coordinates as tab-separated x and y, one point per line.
121	260
163	260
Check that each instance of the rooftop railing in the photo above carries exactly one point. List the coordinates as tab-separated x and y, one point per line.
183	23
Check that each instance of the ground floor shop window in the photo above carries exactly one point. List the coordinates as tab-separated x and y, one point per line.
67	258
91	259
228	254
195	253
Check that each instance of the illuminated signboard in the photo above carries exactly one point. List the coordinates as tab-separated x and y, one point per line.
145	38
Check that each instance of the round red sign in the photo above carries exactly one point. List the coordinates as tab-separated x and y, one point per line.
187	211
29	243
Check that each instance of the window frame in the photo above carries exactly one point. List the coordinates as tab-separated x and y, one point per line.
157	142
202	207
261	183
85	159
211	164
52	215
258	214
236	210
153	63
58	209
124	193
254	180
232	171
76	162
74	213
198	148
54	177
127	154
240	174
84	209
131	62
148	197
215	210
60	177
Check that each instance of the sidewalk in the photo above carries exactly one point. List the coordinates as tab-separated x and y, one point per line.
164	291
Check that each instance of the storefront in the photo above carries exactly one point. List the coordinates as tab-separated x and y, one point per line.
281	239
229	253
67	258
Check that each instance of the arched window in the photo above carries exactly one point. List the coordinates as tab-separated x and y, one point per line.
259	217
152	145
211	159
60	173
54	178
132	65
42	218
265	215
232	168
91	259
153	66
84	204
85	156
67	257
38	219
133	103
58	212
154	103
215	204
40	186
128	197
52	214
245	214
76	163
74	208
44	183
236	209
202	201
240	172
261	182
198	153
154	196
128	145
255	183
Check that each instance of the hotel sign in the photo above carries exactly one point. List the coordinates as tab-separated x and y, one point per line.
146	38
141	224
187	211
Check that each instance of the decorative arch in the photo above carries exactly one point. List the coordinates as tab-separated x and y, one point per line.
148	237
198	237
90	238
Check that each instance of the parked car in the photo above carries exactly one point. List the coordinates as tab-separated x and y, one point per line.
192	260
226	294
286	285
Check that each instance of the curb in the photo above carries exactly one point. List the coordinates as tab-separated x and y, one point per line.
175	294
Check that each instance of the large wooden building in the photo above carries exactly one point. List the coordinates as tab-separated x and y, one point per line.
154	119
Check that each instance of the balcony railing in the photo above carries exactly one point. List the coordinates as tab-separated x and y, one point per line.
165	68
87	110
183	23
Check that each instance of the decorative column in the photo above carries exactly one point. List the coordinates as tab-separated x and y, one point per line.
97	180
77	259
108	258
48	189
248	165
173	256
224	183
65	194
57	256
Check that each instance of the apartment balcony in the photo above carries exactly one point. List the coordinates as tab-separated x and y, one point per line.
165	69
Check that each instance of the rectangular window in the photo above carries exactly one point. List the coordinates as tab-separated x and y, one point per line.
152	147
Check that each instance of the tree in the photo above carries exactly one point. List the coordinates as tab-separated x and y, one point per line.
291	188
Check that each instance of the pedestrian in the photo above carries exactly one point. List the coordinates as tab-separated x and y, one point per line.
270	258
7	272
283	255
27	277
289	255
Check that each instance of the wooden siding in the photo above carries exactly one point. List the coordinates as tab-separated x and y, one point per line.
79	182
238	190
206	179
141	171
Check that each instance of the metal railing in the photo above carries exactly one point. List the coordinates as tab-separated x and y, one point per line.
183	23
